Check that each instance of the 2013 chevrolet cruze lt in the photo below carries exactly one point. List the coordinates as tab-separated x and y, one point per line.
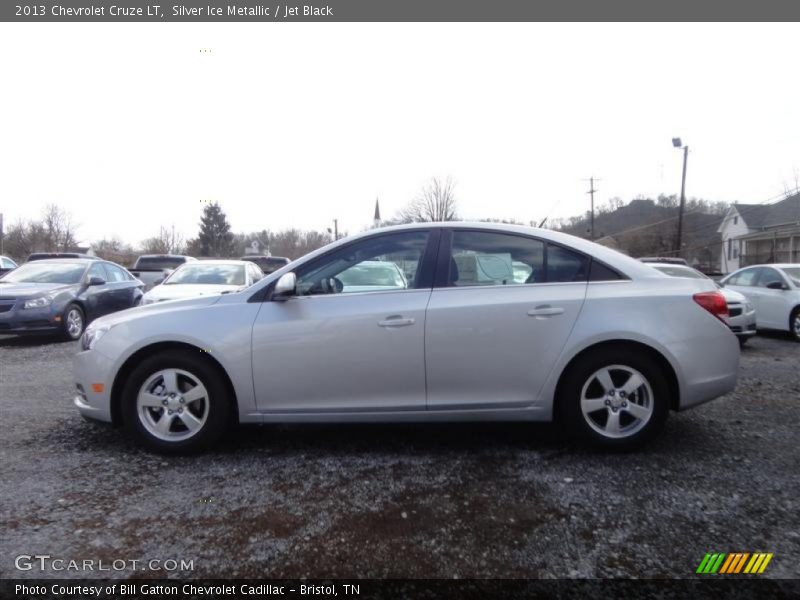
492	322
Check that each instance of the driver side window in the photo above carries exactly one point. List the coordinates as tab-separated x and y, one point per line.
384	263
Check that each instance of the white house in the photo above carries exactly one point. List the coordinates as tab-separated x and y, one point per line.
760	233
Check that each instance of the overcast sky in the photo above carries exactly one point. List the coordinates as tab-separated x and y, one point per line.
130	126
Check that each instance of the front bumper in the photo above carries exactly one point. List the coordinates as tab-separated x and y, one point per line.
743	325
18	320
93	376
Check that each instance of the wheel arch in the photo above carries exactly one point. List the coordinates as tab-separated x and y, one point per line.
134	359
666	367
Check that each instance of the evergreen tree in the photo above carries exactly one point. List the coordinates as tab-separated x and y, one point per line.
215	235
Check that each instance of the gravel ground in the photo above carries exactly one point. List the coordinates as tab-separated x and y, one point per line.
472	500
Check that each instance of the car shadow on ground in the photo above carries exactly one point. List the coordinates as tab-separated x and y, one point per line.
468	440
25	341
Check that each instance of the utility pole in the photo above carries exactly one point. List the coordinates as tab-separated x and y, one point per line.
335	230
676	142
591	192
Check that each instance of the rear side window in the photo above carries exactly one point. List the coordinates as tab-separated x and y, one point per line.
565	266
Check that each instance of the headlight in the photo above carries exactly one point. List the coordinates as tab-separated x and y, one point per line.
92	335
40	302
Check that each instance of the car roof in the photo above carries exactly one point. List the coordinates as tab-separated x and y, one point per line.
613	258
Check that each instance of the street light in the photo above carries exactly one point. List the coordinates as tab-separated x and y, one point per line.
676	142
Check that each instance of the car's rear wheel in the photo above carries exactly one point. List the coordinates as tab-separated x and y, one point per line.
617	398
176	402
73	322
794	324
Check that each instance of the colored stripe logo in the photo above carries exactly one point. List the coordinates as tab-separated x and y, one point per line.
734	563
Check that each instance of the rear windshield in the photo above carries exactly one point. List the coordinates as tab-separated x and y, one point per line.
159	262
676	271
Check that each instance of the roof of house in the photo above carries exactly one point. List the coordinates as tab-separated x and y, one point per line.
759	216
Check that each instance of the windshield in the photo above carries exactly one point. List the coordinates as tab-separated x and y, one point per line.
61	272
674	271
208	274
793	273
159	262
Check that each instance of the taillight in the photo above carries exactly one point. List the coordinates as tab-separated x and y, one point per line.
713	302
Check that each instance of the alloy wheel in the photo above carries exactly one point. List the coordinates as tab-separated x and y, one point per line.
74	322
617	401
172	405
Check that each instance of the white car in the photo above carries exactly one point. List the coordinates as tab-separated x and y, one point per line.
741	312
592	338
205	277
775	292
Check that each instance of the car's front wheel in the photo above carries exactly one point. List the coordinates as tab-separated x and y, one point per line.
794	324
617	398
73	322
176	402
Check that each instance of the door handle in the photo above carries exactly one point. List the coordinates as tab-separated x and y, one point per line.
545	311
396	321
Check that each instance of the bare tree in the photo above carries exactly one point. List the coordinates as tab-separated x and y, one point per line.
59	229
436	202
168	241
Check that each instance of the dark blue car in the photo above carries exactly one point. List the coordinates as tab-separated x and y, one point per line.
62	295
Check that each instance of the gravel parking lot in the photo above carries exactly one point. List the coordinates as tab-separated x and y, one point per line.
476	500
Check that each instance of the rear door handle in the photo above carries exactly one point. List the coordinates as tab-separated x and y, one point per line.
545	311
396	321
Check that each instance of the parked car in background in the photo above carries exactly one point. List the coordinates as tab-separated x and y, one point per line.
775	292
50	255
204	277
372	276
63	295
6	265
584	343
268	264
152	269
741	312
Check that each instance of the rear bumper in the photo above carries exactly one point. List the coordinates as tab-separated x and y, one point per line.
709	367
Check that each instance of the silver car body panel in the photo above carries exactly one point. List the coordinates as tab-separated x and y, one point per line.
485	353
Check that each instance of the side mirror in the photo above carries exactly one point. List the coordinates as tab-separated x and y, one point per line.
776	285
96	281
285	287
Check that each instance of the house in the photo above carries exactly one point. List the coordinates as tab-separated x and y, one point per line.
760	233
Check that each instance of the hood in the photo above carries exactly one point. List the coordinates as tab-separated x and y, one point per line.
187	290
29	290
131	314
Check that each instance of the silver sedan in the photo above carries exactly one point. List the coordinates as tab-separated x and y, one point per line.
492	322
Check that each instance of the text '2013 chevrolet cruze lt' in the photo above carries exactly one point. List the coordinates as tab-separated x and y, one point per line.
424	322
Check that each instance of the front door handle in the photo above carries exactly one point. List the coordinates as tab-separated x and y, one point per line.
545	310
396	321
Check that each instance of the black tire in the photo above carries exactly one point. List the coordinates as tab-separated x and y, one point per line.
68	332
742	340
794	324
218	407
581	373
